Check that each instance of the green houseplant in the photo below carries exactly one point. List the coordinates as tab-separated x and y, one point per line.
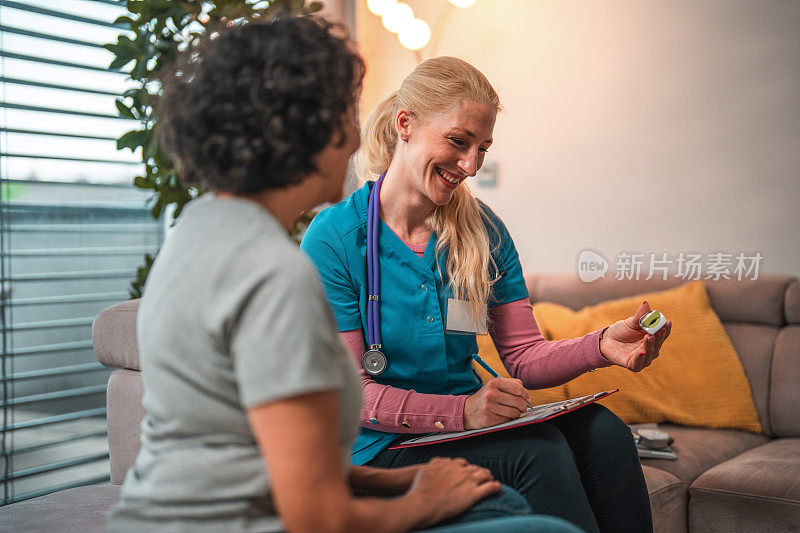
159	30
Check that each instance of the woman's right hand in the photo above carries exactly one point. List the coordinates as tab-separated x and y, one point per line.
448	487
499	400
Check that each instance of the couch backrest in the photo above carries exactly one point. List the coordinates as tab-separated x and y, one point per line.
114	334
785	375
762	318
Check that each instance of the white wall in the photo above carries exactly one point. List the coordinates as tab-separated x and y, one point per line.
630	126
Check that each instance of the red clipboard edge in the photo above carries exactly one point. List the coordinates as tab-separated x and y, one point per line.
605	394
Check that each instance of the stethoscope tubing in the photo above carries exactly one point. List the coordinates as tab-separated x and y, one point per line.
373	263
374	360
369	270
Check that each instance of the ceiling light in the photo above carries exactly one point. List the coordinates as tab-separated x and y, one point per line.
415	35
397	17
379	7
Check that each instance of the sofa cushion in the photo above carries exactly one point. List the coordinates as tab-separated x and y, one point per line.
792	303
114	334
754	344
697	381
785	395
759	301
758	490
667	500
698	449
125	414
81	509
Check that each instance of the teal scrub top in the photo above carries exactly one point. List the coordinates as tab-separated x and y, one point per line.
413	303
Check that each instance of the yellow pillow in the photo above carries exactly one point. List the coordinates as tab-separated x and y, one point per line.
697	380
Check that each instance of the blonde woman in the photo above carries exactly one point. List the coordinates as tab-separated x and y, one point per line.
446	264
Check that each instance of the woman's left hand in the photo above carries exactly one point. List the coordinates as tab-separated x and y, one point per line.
626	344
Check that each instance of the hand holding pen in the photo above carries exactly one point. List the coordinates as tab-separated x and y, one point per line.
499	400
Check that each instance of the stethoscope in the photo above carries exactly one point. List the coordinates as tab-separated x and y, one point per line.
373	361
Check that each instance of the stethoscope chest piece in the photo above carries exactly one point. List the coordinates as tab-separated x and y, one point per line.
373	362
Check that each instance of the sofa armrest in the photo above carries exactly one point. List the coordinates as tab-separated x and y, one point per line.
114	336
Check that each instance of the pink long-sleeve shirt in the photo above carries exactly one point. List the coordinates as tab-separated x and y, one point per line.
527	356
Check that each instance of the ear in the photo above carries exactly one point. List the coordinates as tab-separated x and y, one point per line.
402	122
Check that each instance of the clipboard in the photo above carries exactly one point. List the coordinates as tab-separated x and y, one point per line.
539	413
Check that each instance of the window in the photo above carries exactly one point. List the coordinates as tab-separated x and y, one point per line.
73	230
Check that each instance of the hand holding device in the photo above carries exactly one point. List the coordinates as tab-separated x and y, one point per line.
629	343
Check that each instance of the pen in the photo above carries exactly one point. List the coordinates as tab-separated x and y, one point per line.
491	371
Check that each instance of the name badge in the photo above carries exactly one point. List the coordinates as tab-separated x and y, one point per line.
461	319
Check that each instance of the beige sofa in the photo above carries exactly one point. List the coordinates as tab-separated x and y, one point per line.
723	480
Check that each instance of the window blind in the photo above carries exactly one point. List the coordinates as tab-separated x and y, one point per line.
73	230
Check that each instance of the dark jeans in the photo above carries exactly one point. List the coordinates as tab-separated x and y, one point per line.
582	466
505	511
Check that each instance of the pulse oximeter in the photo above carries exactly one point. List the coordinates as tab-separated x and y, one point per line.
652	322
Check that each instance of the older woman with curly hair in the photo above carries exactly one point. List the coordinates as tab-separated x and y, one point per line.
252	402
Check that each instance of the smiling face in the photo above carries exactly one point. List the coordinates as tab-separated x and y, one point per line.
447	149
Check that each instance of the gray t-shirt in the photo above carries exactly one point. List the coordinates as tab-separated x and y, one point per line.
233	316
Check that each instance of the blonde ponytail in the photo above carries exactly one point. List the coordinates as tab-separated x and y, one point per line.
433	88
379	139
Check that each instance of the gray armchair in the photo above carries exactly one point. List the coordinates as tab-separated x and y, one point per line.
83	509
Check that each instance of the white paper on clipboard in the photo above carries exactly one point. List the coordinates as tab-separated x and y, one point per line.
538	413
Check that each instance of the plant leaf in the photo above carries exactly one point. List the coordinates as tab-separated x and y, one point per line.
124	111
143	183
124	19
149	149
158	208
132	140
